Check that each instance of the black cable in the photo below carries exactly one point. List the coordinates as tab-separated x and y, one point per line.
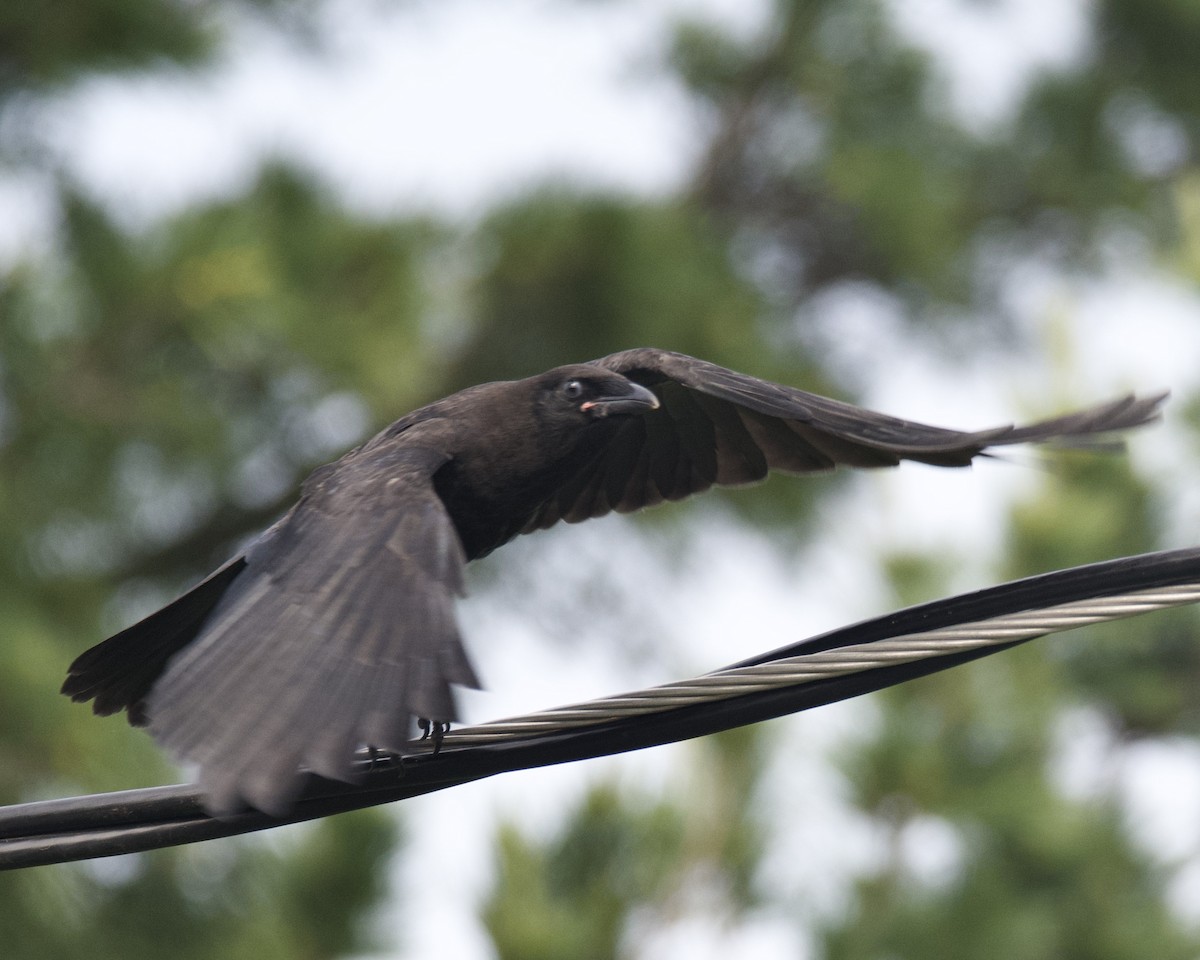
100	825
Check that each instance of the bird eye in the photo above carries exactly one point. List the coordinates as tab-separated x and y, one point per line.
573	389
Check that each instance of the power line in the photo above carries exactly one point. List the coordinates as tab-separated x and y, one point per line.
834	666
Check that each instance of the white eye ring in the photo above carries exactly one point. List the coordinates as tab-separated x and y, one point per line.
573	389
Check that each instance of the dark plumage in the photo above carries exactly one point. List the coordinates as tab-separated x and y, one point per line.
337	626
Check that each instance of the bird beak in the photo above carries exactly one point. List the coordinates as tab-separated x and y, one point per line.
635	400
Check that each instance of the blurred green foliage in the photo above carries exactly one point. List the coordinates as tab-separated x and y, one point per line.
163	391
621	853
47	44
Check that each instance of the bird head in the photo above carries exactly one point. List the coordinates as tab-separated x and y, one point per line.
582	393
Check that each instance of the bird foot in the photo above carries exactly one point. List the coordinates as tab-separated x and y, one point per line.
434	731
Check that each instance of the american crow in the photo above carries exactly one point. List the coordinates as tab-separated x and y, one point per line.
336	627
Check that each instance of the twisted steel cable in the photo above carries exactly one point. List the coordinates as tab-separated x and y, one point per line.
805	668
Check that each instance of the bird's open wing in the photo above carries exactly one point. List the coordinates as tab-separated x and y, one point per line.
338	630
715	426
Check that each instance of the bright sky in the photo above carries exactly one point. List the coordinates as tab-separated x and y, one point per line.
426	103
448	105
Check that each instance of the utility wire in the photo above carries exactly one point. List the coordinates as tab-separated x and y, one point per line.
842	661
835	666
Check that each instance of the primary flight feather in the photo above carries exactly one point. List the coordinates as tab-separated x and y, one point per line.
336	627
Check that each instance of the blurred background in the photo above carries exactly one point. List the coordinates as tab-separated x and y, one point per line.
237	236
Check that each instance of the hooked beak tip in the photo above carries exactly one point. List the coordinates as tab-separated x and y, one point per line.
637	400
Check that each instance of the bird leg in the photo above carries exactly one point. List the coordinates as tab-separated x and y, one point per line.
377	758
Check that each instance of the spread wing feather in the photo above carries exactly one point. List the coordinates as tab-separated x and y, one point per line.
715	426
337	629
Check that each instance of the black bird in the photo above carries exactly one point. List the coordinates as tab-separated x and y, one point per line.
336	627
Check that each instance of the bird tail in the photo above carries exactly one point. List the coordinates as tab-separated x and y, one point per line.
118	673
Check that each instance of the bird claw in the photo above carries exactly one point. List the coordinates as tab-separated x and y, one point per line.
434	731
378	758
